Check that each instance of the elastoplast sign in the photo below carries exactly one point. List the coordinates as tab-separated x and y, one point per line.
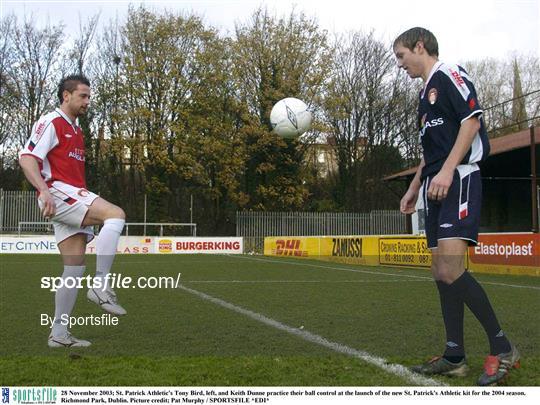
506	254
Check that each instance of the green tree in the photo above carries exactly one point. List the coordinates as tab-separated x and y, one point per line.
276	58
168	119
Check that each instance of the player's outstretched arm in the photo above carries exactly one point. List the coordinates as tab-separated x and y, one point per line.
31	170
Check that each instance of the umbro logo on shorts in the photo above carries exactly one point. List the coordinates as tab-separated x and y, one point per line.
447	226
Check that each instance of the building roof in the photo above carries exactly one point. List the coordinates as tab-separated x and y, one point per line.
499	145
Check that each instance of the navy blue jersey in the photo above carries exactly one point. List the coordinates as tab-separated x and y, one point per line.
448	99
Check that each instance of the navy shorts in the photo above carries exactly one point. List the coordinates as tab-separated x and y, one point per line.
458	215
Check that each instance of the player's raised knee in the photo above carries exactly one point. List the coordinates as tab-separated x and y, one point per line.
117	212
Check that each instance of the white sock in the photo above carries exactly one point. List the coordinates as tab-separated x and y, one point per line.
65	299
106	244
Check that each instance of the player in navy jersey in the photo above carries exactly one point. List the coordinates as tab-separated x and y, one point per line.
454	140
53	161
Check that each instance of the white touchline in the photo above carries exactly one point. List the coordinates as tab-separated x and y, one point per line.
332	267
531	287
396	369
302	281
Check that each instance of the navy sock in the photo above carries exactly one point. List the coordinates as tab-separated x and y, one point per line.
452	310
454	359
477	301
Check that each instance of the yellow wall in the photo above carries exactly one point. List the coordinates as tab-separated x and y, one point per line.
495	253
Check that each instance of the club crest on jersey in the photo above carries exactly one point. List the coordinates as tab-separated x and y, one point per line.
83	192
432	95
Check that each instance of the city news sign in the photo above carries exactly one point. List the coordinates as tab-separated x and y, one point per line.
46	244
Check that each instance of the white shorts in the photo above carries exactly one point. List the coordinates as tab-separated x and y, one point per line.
71	207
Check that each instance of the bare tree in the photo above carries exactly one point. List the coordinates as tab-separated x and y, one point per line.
7	91
35	73
495	82
368	111
83	44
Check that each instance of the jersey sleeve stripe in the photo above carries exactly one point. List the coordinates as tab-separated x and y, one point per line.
31	154
477	113
42	131
457	80
465	75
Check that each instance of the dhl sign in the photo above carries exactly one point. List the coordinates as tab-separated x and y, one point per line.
289	247
301	247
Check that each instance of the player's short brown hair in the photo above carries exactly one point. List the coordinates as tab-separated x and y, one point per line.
70	83
411	37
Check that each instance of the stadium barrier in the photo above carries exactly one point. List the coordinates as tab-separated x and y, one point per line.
254	226
129	245
507	253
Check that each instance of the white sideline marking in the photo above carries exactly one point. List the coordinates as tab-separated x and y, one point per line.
332	267
396	369
302	281
375	272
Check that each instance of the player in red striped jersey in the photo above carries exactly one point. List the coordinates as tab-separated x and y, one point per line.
53	160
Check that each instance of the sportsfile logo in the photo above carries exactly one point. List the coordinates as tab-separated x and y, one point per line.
5	395
111	280
289	247
43	395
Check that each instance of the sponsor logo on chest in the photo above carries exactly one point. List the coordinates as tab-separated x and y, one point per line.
424	123
77	154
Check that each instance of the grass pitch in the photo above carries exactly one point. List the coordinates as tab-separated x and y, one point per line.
175	337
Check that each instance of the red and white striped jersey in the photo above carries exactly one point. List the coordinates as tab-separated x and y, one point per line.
58	144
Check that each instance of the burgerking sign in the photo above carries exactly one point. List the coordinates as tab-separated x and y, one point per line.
165	246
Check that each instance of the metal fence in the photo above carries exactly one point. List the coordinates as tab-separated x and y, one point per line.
20	214
254	226
18	206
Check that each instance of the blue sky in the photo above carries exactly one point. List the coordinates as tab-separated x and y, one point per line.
466	29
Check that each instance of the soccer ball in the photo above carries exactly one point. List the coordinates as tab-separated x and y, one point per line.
290	118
